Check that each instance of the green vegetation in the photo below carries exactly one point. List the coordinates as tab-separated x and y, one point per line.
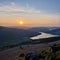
26	41
13	43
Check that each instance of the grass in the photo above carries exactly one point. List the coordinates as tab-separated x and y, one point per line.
44	54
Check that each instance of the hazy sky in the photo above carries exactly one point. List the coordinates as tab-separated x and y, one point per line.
32	12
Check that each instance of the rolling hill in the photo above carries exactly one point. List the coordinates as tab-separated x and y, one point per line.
14	34
50	30
55	31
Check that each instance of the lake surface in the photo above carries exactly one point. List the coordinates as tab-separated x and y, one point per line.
43	35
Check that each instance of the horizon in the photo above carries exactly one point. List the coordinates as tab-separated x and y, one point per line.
28	26
33	13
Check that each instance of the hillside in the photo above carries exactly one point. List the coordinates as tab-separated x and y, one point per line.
50	30
13	35
55	31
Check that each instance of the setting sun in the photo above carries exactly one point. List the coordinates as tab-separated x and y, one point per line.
21	22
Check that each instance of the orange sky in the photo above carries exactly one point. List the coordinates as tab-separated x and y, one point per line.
33	20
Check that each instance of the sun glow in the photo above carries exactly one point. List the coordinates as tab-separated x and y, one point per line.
21	22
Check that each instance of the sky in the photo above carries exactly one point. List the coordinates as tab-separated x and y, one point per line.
31	12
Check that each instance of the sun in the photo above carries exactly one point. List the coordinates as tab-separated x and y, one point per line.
21	22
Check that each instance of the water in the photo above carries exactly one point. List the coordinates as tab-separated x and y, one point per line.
43	35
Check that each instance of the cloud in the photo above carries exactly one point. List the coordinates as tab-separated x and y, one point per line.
12	3
14	9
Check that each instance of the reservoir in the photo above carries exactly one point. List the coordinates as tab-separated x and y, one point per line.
43	35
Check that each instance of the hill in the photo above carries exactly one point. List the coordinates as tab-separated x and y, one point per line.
14	34
55	31
50	30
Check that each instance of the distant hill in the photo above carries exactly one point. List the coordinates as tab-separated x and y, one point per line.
39	29
8	34
55	31
50	30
